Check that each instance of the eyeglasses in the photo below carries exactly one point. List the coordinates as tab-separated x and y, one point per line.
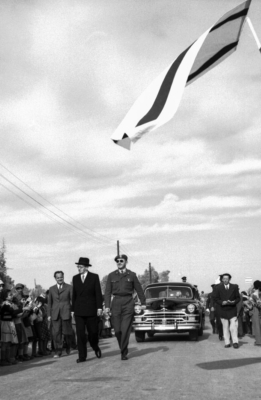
120	261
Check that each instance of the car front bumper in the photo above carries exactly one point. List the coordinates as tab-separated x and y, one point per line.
186	324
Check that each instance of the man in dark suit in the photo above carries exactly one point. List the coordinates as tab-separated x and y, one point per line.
121	284
226	295
59	313
87	307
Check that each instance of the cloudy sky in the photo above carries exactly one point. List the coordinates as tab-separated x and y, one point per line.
187	197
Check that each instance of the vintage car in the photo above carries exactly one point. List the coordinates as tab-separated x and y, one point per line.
171	307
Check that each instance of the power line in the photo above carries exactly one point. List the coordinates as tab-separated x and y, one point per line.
58	216
38	194
40	211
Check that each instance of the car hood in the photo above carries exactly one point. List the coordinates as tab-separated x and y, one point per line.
168	304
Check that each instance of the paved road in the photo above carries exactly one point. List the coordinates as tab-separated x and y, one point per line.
164	367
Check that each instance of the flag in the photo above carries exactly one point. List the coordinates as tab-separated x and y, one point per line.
160	101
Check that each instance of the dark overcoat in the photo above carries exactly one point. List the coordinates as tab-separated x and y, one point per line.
87	296
220	294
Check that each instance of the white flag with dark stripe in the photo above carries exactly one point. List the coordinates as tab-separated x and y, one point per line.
160	101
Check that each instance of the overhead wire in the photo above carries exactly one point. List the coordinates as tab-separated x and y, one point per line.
67	215
42	212
69	225
52	212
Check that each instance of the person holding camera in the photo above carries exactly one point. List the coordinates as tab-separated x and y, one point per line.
226	295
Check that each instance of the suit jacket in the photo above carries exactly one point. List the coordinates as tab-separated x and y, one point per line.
87	296
59	303
220	294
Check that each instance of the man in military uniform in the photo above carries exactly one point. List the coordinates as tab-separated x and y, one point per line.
121	284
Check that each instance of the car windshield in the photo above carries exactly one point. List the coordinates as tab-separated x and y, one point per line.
173	292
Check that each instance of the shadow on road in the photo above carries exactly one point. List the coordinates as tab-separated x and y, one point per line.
228	364
137	352
12	369
103	379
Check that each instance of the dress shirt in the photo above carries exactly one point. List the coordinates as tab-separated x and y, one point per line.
59	286
84	275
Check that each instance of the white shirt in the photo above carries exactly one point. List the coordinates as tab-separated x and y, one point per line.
84	275
227	286
59	286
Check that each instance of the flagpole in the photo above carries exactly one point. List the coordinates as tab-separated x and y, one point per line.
254	33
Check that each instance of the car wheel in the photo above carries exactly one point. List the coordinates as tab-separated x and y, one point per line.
139	336
150	334
193	335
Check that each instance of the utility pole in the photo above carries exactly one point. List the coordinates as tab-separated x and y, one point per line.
118	247
150	272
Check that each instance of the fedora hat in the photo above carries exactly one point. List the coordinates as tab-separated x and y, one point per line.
84	261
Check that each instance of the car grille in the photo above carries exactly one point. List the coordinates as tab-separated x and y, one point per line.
165	315
169	318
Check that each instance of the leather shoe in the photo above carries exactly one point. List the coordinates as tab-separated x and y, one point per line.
227	345
235	345
220	337
98	352
80	360
124	358
68	351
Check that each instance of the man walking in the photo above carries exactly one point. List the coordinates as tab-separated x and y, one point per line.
59	313
226	295
121	284
87	306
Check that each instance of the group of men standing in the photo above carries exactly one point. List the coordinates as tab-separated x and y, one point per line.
83	301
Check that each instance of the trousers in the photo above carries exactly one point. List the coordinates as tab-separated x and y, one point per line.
91	323
230	326
122	316
61	328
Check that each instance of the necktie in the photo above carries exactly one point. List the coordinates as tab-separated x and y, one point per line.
226	287
82	278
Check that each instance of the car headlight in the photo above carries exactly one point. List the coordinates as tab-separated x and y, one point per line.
138	309
191	308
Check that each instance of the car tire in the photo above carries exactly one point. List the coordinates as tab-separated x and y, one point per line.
139	336
150	334
193	335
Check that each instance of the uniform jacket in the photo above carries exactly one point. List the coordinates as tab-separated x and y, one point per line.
87	296
59	304
221	294
123	285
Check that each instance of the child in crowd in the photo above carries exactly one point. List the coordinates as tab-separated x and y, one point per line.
21	332
9	338
41	325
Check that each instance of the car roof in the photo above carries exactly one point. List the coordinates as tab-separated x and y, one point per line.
185	284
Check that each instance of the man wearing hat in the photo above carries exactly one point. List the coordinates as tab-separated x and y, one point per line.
226	295
184	279
59	313
121	285
87	306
